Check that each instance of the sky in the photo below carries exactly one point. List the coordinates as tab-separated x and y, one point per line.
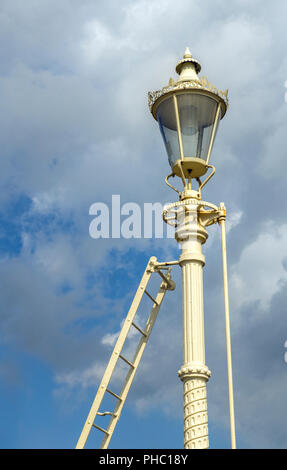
75	129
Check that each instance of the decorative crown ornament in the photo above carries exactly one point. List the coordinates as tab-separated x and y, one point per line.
188	69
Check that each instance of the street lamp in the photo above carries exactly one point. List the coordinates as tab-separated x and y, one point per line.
188	112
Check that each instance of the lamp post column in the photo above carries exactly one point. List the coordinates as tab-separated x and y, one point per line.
193	373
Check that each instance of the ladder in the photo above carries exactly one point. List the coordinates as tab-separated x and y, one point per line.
167	284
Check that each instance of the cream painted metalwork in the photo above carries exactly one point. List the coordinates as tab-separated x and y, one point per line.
178	128
221	221
194	216
190	215
213	134
189	84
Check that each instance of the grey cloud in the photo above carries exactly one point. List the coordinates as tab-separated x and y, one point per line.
75	129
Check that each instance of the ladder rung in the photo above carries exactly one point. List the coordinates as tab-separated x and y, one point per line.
114	394
150	296
101	429
126	360
139	329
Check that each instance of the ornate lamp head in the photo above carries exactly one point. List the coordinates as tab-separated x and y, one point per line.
188	112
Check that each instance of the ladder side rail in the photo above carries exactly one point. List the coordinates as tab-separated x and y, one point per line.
136	360
114	357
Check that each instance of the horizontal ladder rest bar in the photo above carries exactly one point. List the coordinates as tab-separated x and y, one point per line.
105	413
136	361
115	355
166	263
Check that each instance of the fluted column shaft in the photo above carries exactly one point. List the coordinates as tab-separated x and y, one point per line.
194	373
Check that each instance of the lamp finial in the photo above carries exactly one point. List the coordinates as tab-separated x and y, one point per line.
187	53
188	67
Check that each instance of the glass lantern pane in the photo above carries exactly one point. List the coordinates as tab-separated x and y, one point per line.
197	116
167	124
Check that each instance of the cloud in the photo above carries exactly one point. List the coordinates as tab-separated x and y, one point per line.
75	128
260	272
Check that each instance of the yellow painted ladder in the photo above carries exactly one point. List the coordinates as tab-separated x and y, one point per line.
167	284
